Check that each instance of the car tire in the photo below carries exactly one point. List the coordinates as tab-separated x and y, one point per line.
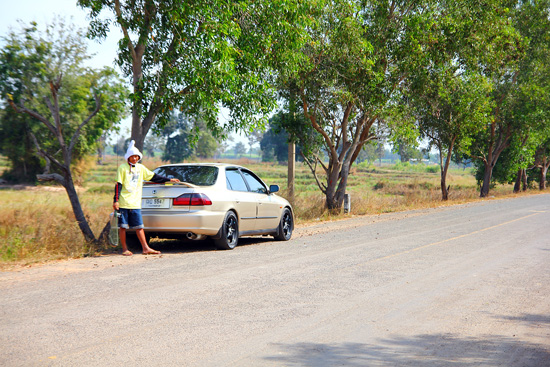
286	225
229	233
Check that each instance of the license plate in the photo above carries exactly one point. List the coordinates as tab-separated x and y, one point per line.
155	203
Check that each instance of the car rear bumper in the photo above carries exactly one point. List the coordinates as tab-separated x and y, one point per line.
198	222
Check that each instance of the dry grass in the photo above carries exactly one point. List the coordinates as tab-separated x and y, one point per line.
38	224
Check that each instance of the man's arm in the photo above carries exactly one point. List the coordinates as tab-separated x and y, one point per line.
161	179
118	188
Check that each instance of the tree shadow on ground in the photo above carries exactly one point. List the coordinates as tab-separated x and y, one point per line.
437	350
529	319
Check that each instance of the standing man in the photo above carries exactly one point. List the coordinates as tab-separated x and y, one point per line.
130	177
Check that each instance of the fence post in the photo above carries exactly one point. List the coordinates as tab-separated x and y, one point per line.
347	203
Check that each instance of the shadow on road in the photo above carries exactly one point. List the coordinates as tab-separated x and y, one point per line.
189	246
530	319
418	351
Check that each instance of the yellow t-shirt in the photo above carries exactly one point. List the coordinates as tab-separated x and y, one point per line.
132	179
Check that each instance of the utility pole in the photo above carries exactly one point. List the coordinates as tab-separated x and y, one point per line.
291	170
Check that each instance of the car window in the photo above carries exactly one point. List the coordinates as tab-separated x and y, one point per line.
235	180
254	183
196	175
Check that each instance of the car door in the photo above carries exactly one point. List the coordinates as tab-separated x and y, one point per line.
268	211
245	201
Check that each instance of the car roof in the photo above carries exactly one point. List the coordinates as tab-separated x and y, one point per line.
213	164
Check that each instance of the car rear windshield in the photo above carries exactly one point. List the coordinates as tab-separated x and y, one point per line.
196	175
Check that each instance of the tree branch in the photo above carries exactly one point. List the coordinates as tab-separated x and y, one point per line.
48	157
34	114
313	169
118	12
76	134
316	126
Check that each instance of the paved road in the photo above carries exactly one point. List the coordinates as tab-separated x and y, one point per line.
467	285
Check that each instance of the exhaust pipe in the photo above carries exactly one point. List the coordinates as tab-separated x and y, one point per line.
195	237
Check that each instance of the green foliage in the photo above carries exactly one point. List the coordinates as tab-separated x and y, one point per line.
408	167
240	149
187	136
274	145
206	145
31	60
198	56
406	151
351	74
521	93
177	133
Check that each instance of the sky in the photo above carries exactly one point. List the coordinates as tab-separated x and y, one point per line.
44	11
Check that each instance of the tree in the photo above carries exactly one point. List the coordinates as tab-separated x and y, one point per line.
453	106
195	55
406	150
451	97
520	87
120	146
368	153
240	149
223	145
43	77
205	145
274	143
542	162
178	140
254	137
187	136
350	73
153	143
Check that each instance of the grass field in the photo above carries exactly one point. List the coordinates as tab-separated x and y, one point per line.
37	224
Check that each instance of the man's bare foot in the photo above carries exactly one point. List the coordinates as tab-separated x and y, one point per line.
151	252
127	253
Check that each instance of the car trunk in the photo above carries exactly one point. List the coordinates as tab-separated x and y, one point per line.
160	196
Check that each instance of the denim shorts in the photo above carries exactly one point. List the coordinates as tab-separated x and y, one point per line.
130	218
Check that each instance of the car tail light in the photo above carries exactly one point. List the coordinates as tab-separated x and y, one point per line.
192	199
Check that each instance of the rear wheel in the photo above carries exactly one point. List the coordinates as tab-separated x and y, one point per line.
229	233
285	226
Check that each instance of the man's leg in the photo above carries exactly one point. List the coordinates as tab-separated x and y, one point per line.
122	237
143	240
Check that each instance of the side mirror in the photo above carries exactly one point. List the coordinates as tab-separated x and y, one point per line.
273	188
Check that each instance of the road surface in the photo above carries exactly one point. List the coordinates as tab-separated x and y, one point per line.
466	285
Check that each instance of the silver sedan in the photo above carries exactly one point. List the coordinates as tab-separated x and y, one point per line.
218	201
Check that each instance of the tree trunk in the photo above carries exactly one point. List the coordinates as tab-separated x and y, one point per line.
445	169
336	187
543	171
101	149
77	210
444	188
331	192
488	174
524	179
517	185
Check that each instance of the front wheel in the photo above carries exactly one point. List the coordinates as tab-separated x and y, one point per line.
285	226
229	233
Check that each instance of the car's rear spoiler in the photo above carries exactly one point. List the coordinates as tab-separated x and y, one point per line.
171	183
